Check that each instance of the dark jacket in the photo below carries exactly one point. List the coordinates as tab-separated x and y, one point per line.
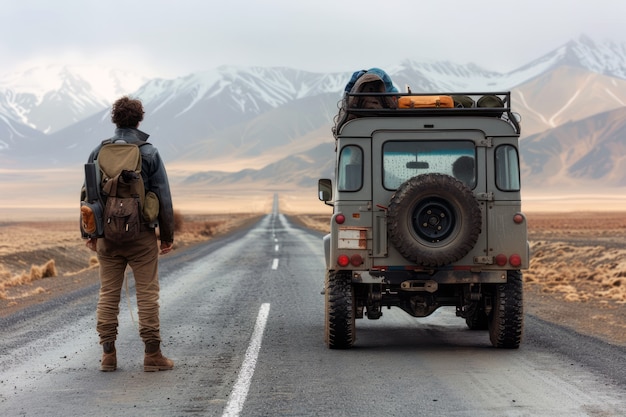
154	177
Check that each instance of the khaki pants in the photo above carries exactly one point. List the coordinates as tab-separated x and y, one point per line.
142	256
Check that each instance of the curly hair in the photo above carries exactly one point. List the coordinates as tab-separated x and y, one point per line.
127	112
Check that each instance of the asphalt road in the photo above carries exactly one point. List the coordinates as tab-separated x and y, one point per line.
242	317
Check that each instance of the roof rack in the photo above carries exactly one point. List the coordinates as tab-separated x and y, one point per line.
473	104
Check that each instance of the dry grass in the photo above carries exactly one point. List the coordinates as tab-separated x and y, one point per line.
199	228
7	280
320	222
580	273
579	256
33	251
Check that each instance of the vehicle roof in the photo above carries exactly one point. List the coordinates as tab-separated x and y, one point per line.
366	126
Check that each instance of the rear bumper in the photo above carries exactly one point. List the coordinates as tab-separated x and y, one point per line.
398	277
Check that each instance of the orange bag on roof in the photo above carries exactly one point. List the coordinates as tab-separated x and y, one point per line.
418	102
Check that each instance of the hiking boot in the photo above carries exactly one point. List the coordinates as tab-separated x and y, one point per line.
154	359
109	358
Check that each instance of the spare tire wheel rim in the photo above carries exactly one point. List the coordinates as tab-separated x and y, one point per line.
434	219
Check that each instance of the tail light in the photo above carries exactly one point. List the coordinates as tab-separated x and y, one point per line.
501	259
345	260
514	260
356	260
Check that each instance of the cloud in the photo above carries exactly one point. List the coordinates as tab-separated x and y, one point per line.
172	39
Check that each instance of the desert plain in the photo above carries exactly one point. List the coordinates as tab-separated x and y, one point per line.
577	274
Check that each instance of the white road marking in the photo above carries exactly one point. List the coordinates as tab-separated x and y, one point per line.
276	248
242	385
275	263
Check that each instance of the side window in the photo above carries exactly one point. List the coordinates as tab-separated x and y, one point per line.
350	174
507	168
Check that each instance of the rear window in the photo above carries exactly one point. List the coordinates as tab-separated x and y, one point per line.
403	160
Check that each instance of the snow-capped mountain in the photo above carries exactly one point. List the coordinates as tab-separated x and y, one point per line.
53	97
198	106
259	117
607	58
249	90
15	135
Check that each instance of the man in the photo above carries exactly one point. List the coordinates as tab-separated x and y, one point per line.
141	254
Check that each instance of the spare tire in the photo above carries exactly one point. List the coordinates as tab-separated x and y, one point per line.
433	219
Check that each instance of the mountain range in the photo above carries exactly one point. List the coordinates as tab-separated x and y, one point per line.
268	129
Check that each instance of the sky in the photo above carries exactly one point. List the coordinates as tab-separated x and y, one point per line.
174	38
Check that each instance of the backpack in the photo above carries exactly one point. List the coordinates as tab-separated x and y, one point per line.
116	195
373	80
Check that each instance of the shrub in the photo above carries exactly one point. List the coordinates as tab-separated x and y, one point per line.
209	229
50	269
47	270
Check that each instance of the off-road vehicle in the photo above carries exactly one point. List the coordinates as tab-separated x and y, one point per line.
426	213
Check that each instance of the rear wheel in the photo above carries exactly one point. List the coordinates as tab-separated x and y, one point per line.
340	311
506	320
